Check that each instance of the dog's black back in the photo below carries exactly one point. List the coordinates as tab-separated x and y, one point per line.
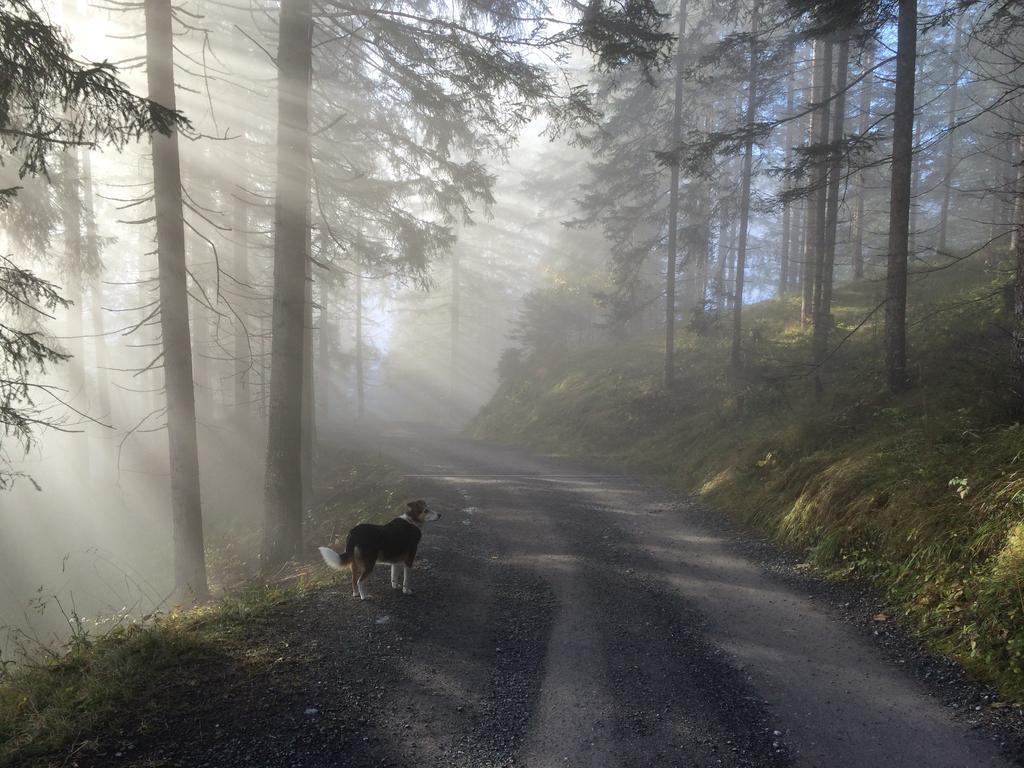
394	542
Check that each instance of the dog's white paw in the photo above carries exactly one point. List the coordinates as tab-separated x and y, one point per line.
395	585
406	591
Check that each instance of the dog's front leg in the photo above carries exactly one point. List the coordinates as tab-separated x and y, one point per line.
394	576
406	589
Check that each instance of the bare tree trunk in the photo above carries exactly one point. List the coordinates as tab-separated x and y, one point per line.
822	119
950	159
823	319
723	255
915	191
323	335
700	266
748	161
360	382
92	251
189	557
799	234
308	391
1018	289
818	124
242	339
74	271
202	379
283	526
456	320
787	216
673	209
899	204
865	126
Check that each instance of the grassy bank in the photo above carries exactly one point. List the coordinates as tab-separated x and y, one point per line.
921	493
111	680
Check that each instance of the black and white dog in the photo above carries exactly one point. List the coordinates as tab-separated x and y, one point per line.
394	543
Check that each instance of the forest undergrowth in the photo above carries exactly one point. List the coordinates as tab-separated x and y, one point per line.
57	700
919	493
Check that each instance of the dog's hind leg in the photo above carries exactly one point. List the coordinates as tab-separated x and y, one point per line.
394	575
365	564
355	580
363	594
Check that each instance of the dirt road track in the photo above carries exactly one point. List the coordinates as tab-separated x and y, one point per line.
562	617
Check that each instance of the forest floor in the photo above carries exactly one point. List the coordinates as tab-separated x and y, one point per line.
563	615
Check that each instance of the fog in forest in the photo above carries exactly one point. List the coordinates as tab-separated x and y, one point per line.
394	207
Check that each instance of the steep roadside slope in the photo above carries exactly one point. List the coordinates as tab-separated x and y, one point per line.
920	494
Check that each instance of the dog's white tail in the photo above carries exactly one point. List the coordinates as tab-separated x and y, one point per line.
332	558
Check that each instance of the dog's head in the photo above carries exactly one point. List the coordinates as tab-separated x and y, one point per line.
418	511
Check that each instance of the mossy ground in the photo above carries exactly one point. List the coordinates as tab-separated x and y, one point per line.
56	700
921	493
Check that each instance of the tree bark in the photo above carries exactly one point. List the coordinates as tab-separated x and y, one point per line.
673	209
950	155
240	257
360	383
187	518
92	254
787	215
283	484
308	388
723	254
823	320
818	119
456	321
748	160
865	126
323	334
1018	290
822	118
899	203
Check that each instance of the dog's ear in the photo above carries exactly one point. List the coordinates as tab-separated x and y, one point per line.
411	504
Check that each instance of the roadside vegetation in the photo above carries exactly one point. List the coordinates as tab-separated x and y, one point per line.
920	492
114	674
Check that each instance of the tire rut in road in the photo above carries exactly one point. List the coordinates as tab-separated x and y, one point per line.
679	701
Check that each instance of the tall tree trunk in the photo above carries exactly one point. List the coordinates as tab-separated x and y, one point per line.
950	155
92	255
283	525
700	267
745	182
899	203
74	270
723	254
242	338
915	190
673	208
823	320
360	382
862	187
455	317
1018	289
819	119
202	379
186	509
323	334
796	271
308	390
787	215
822	119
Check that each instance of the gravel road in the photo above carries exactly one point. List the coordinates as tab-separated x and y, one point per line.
566	616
